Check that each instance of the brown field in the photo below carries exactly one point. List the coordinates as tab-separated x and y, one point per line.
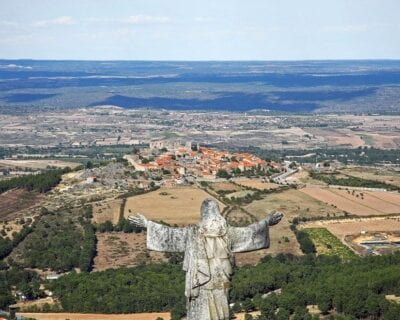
240	194
224	186
180	205
338	137
91	316
107	210
360	203
381	174
117	249
291	203
342	228
13	201
38	164
258	184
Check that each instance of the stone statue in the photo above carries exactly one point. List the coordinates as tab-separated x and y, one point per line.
208	248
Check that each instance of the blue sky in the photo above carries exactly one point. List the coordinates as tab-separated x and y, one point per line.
200	30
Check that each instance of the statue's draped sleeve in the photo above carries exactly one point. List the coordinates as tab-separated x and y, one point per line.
252	237
166	239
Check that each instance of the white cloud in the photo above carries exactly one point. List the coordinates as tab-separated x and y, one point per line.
60	21
145	19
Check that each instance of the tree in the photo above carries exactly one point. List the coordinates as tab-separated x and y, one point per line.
89	165
222	173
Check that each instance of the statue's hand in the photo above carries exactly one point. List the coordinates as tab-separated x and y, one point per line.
274	218
138	220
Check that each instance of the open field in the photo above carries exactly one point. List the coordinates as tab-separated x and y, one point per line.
326	243
357	202
258	184
91	316
224	186
381	174
240	194
117	249
338	137
180	205
38	164
107	210
291	203
342	228
13	201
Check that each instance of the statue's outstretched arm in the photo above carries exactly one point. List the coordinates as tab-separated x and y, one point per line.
161	237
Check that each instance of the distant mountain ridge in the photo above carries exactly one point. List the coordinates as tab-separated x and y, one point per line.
298	86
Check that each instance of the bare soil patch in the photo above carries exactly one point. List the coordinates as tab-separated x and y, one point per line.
107	210
117	249
10	227
180	205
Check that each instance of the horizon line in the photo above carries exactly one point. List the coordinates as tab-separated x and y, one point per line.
204	60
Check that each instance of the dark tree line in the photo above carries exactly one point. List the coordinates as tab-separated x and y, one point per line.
41	182
331	179
141	289
347	290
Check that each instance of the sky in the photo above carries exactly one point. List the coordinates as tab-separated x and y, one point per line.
200	30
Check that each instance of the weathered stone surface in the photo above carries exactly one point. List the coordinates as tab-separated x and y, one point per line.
208	262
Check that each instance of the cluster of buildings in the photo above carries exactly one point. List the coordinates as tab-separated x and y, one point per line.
194	161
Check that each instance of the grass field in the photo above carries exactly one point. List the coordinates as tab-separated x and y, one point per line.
117	249
180	205
326	243
357	202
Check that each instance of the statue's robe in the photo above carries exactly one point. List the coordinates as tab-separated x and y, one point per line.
208	262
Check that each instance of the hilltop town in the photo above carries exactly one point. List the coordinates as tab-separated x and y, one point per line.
193	162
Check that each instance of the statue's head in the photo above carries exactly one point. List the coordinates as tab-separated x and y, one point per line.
212	223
